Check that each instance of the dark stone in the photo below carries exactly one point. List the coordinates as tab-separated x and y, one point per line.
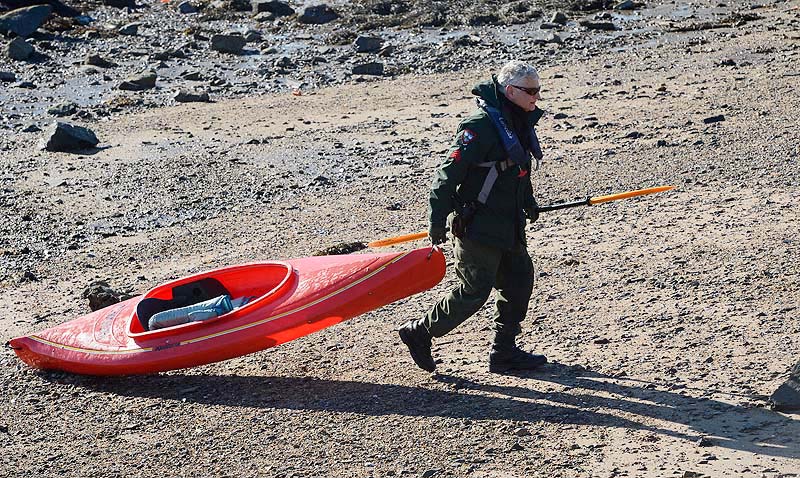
97	60
24	21
131	29
28	276
192	75
7	76
18	49
341	248
63	109
467	40
605	26
787	397
550	26
186	96
253	36
65	137
59	8
28	85
559	18
625	5
31	128
143	81
365	44
120	3
101	295
714	119
228	43
187	7
372	68
318	15
560	116
275	7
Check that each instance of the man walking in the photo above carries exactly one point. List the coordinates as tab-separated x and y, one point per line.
485	181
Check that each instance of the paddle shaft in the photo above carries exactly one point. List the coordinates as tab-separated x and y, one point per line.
390	241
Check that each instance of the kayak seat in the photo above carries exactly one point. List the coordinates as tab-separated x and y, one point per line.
182	296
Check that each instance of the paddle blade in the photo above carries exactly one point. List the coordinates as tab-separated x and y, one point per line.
390	241
629	194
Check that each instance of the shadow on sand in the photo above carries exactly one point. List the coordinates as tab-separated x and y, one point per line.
590	399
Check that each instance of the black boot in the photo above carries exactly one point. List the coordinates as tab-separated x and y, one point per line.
418	339
505	356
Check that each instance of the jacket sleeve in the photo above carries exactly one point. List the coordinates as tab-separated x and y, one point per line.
467	150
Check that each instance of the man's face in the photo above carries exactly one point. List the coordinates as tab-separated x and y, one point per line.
524	93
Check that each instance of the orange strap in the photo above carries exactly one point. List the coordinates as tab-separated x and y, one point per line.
390	241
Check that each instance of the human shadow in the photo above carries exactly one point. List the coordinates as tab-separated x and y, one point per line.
373	399
746	428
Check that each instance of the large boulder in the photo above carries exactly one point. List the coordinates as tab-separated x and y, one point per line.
65	137
24	21
372	68
140	82
367	44
120	3
318	15
275	7
189	96
18	49
59	8
228	43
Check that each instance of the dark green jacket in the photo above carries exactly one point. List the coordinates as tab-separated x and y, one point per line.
501	221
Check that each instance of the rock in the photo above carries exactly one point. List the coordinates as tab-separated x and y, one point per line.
131	29
704	442
187	7
28	85
467	40
275	7
192	75
31	128
560	116
228	43
140	82
120	3
65	137
7	76
341	248
187	96
625	5
786	398
318	15
728	62
559	18
606	26
714	119
63	109
372	68
18	49
24	21
97	60
522	432
253	36
692	474
28	276
101	295
365	44
430	473
550	26
59	8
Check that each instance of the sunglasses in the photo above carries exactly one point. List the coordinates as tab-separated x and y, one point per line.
530	91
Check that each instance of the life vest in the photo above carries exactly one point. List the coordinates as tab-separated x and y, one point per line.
517	154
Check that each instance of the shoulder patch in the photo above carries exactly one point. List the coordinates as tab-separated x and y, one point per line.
467	136
456	155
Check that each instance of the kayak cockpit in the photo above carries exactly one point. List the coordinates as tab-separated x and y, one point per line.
243	288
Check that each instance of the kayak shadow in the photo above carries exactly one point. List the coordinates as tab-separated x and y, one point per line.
706	421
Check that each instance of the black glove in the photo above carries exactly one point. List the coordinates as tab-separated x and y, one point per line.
438	235
532	212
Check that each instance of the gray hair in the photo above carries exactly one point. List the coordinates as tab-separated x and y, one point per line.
515	70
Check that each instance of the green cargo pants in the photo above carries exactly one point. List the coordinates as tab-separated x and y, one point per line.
480	269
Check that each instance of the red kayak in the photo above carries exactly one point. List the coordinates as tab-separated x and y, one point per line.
281	301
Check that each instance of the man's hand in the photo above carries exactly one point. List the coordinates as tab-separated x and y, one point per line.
532	212
438	235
